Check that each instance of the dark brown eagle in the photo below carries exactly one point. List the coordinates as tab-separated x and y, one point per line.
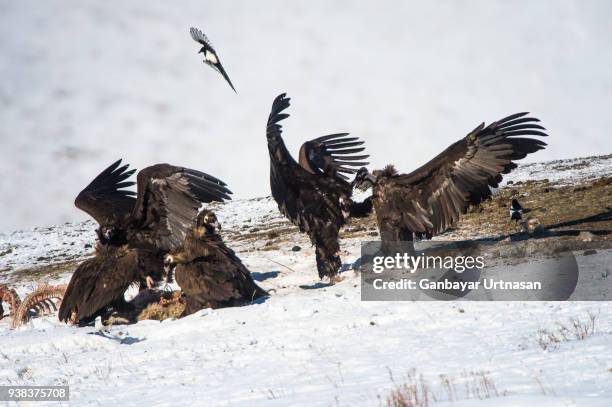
430	199
314	194
134	232
209	273
211	58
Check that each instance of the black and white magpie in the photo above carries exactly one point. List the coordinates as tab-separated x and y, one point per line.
517	211
210	55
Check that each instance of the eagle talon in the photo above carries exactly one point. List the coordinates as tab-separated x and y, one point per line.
335	279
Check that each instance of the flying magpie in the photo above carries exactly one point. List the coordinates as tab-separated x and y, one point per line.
210	55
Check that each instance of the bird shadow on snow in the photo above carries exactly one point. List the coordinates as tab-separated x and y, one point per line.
264	276
126	340
344	268
600	217
315	286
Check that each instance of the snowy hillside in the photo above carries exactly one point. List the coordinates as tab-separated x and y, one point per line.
85	83
309	343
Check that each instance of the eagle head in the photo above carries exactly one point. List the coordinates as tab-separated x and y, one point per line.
363	179
106	233
207	224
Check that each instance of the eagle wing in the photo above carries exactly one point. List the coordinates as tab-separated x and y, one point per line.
304	197
167	204
281	161
433	197
98	281
334	154
104	199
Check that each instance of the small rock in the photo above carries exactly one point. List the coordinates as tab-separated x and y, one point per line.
561	248
589	252
355	229
534	227
373	234
87	246
296	248
586	236
510	182
372	323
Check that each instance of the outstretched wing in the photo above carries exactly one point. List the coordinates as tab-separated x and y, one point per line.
281	162
200	37
334	153
104	198
432	197
168	201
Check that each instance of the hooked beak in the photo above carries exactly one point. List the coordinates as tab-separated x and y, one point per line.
364	184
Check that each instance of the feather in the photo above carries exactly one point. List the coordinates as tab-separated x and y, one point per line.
459	176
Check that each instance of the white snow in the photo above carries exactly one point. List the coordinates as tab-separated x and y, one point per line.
563	172
308	344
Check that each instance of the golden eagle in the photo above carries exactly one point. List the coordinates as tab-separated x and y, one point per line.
430	199
134	232
314	194
209	273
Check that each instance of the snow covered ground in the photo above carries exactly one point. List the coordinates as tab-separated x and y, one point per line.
308	344
86	83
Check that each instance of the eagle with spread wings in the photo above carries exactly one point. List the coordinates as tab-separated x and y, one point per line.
314	193
135	231
429	200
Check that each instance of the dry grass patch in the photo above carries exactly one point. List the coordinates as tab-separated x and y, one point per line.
576	329
416	391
